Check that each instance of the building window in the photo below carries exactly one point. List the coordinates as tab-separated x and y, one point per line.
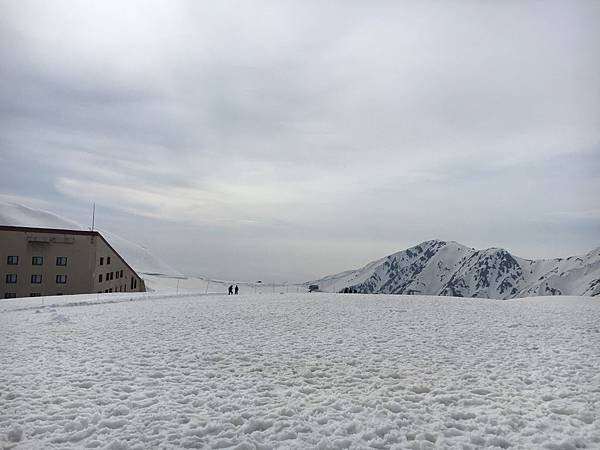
112	275
61	260
36	279
11	278
102	260
10	295
110	290
61	279
37	260
100	278
108	260
131	284
35	294
12	260
121	273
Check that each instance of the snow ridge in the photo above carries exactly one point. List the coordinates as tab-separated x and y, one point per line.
448	268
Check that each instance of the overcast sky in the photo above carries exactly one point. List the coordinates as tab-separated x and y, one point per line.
290	140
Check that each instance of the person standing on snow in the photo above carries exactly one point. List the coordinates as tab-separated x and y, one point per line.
230	291
237	290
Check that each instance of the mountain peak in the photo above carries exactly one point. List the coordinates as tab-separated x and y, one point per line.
433	242
437	267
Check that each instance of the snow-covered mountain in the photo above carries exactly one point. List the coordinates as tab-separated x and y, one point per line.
137	256
449	268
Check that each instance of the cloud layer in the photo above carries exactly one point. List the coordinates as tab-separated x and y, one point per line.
291	139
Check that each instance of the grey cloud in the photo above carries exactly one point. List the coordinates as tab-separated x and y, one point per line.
287	124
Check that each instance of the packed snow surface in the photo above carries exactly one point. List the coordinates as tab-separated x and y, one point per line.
297	371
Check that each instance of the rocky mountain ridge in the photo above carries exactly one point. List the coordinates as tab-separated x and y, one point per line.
448	268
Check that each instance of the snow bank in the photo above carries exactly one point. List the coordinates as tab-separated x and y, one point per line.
300	371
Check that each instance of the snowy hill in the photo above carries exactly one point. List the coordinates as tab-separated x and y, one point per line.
137	256
449	268
17	215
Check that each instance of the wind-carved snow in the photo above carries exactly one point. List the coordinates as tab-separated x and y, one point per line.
300	371
448	268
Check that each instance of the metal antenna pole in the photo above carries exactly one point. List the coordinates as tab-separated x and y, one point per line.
93	216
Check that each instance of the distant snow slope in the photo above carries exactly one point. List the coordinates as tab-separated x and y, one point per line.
139	371
139	257
188	285
136	255
22	216
448	268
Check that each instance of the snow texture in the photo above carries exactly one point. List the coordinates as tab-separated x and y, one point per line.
298	371
449	268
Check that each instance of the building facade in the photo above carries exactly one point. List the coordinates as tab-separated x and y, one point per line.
44	261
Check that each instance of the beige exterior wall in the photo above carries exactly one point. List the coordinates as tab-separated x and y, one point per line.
116	274
82	251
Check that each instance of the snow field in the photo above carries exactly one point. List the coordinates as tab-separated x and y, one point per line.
301	371
167	284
